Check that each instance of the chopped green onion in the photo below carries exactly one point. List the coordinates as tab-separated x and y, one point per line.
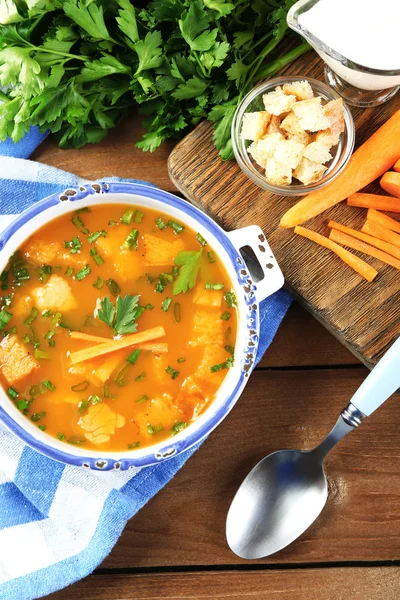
160	286
210	255
132	358
74	439
26	339
4	318
141	376
177	312
65	325
12	392
40	354
75	245
4	280
113	287
79	224
174	374
166	304
44	271
33	314
167	277
99	283
229	349
131	242
47	384
226	316
8	299
106	392
99	260
150	278
149	306
23	405
80	387
214	286
82	210
201	240
35	390
225	365
138	216
84	272
37	416
127	216
46	314
52	343
134	445
94	236
142	398
177	227
181	359
82	406
69	271
112	223
230	299
61	436
49	335
120	377
153	430
42	427
56	319
179	426
94	399
160	223
93	251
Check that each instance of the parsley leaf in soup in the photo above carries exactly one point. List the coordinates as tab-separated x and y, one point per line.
122	317
189	262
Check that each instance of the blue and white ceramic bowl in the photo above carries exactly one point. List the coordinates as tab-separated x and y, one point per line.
249	294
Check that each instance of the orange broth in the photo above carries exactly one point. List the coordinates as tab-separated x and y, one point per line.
106	402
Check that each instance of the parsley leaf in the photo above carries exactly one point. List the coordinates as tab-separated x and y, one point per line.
189	262
122	317
90	18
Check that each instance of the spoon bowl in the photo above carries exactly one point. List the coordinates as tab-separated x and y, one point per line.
276	503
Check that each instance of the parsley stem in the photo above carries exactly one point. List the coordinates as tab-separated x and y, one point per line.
280	62
52	51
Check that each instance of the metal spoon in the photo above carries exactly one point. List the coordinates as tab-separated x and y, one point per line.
287	490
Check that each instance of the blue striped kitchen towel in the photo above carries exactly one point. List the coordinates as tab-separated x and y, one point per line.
48	537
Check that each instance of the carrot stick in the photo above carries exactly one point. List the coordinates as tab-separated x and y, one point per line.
377	231
161	348
359	265
372	159
346	240
374	216
390	182
114	345
368	239
374	201
397	166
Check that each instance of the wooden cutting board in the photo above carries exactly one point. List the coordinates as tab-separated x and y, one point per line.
364	316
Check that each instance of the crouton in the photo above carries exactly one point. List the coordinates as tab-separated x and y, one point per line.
317	152
289	153
277	102
304	137
159	252
255	125
85	371
308	171
274	125
51	253
213	354
125	262
277	173
16	363
210	298
100	423
333	111
191	399
98	371
207	328
22	307
327	137
158	412
310	114
54	295
265	148
301	89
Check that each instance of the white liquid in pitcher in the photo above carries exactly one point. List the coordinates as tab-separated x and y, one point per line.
364	31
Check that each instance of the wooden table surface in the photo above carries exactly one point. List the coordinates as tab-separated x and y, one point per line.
175	547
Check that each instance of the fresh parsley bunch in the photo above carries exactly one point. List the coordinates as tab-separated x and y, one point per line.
77	67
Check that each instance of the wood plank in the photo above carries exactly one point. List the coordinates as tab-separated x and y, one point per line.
185	523
364	583
115	155
365	317
302	341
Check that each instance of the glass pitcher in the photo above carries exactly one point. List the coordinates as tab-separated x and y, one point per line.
357	84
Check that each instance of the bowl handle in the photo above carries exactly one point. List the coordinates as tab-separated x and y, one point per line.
254	237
